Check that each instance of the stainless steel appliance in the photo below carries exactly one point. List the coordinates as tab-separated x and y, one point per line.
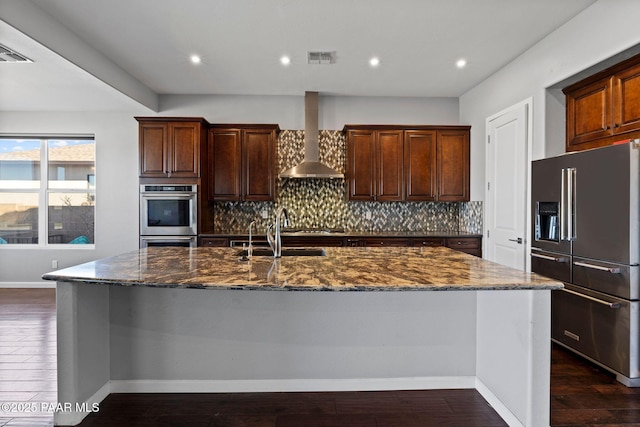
151	241
168	211
586	207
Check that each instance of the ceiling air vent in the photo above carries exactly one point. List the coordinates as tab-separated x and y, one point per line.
321	57
10	55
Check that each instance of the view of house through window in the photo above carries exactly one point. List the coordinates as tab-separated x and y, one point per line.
47	190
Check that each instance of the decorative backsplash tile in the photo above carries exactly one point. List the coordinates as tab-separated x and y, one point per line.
317	203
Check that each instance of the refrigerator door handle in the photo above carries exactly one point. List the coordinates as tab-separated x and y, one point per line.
598	300
571	203
549	258
567	204
597	267
563	204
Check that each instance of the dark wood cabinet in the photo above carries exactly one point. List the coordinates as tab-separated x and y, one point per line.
389	149
213	242
418	163
452	165
428	242
312	241
470	245
242	162
361	162
171	147
605	107
375	165
386	242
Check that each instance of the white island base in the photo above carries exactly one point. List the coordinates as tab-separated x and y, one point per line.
115	339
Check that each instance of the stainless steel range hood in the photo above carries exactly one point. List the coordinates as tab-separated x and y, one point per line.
311	166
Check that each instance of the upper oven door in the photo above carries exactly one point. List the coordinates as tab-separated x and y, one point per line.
168	214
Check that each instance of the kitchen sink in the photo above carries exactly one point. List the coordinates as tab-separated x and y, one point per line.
285	252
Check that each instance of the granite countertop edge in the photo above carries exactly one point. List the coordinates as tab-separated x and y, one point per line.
342	270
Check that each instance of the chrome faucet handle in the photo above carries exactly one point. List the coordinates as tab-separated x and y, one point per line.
271	239
250	249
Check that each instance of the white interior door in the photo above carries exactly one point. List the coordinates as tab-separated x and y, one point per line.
506	190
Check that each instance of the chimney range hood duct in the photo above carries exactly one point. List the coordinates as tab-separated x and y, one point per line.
311	166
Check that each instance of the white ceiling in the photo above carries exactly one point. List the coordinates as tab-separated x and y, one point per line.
241	41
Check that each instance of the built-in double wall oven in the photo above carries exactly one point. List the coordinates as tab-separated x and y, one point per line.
168	215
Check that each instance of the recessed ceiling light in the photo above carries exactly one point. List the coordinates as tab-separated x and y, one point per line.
196	59
285	60
374	62
461	63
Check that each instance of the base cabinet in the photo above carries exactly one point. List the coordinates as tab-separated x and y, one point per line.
469	244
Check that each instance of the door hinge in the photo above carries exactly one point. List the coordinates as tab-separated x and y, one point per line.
488	185
488	139
488	233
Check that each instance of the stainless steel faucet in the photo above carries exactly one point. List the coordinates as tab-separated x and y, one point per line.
250	250
275	242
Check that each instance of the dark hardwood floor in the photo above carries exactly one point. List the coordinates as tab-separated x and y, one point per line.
582	394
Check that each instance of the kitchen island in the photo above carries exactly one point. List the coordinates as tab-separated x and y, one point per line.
177	320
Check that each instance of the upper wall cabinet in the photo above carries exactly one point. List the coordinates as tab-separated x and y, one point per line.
375	165
412	163
171	147
242	162
604	108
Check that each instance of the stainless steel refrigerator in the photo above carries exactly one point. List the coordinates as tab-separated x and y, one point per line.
586	208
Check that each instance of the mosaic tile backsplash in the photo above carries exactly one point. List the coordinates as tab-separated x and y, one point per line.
318	203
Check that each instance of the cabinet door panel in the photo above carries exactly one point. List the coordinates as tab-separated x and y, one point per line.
225	159
361	165
153	150
453	166
259	160
184	153
420	165
589	113
389	149
627	100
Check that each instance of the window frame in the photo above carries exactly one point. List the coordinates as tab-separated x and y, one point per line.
45	190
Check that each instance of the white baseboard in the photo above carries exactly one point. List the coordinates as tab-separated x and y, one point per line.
497	405
295	385
28	285
73	418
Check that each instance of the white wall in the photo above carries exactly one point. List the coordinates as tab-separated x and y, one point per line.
116	231
333	111
601	31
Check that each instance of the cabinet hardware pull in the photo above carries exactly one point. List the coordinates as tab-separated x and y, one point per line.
550	258
599	301
611	270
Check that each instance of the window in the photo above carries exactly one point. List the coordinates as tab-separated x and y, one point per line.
47	191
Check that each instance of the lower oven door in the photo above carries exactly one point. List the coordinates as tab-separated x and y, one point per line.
162	241
599	326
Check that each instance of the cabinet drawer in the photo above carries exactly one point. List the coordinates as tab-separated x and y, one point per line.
596	325
427	242
550	264
463	243
214	242
296	241
386	241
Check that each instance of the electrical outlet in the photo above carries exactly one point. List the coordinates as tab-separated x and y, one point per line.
367	215
54	263
265	214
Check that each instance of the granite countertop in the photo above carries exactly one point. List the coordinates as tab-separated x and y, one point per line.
342	269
